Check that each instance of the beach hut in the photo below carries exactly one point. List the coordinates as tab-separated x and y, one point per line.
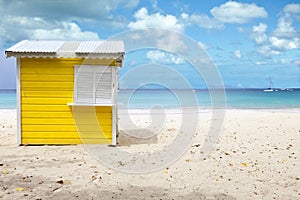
67	91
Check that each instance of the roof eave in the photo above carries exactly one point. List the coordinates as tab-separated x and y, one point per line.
65	55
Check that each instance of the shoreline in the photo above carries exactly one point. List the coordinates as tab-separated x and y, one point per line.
200	109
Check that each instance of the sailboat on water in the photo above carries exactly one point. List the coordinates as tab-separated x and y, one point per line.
271	88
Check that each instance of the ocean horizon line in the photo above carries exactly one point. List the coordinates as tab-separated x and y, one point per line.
187	89
206	89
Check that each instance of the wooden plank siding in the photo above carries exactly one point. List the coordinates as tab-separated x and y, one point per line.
46	87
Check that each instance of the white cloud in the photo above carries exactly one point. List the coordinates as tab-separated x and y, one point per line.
68	31
146	20
276	45
184	16
35	18
154	4
26	25
172	41
237	54
283	44
66	9
285	61
283	38
202	45
292	9
235	12
267	51
285	28
38	28
260	62
158	56
204	21
260	28
201	20
259	33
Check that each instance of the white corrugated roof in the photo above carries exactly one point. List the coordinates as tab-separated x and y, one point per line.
67	49
100	46
36	46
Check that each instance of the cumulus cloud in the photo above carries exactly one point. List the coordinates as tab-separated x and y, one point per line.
145	20
68	31
156	20
292	8
157	56
35	18
62	10
38	28
283	44
285	61
283	38
235	12
25	24
237	54
285	28
266	50
259	33
204	21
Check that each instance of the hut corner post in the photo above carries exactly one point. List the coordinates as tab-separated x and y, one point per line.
114	107
18	101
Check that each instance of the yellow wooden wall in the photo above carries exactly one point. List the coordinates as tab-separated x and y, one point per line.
46	87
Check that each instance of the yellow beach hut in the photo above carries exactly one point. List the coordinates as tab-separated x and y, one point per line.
67	91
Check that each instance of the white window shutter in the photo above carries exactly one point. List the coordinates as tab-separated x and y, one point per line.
93	84
84	84
103	83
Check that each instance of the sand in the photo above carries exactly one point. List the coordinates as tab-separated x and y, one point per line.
255	157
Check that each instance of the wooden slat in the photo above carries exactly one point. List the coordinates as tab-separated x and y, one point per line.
62	135
47	70
103	109
98	109
46	114
47	94
53	89
67	121
53	114
65	141
37	108
45	85
59	127
42	63
46	121
47	78
46	101
99	116
66	61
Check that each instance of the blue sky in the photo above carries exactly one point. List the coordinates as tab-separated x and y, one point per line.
248	41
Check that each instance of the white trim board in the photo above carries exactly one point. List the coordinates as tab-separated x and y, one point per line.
114	108
18	102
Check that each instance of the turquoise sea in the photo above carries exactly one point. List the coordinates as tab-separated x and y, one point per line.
7	99
235	98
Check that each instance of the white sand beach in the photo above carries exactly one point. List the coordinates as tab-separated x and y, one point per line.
256	157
